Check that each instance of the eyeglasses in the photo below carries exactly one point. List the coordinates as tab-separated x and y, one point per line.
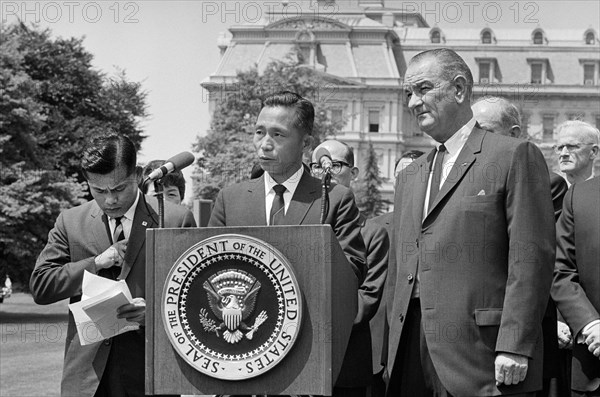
336	167
570	148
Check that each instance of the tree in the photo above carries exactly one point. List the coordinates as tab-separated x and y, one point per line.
51	102
227	153
368	197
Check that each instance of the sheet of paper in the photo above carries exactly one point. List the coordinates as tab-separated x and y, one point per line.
96	314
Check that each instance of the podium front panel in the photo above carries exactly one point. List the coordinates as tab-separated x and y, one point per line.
329	291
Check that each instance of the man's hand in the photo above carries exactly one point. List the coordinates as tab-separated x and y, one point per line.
592	338
565	339
134	312
113	256
510	368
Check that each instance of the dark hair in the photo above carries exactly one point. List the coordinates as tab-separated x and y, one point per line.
107	152
451	65
411	154
305	112
174	178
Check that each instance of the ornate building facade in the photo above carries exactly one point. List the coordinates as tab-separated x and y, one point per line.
364	46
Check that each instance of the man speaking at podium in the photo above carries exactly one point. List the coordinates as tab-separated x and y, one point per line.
287	194
105	236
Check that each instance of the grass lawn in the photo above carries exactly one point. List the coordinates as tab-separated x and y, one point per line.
32	341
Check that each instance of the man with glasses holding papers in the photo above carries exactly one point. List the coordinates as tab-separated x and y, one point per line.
105	236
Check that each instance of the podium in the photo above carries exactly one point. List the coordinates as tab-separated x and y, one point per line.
328	288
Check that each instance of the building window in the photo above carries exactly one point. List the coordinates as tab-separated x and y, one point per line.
436	37
373	120
486	37
589	74
337	115
538	38
590	38
548	127
484	72
598	122
536	73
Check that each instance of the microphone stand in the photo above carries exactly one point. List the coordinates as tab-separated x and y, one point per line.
325	179
159	190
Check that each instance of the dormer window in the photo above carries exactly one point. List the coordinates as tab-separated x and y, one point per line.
538	37
486	37
436	37
590	38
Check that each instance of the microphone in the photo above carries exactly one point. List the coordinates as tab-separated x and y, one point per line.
324	158
175	163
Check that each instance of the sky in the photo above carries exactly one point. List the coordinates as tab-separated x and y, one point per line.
171	46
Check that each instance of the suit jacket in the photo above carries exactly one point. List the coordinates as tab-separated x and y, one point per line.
576	287
243	204
357	365
79	235
484	256
559	188
377	323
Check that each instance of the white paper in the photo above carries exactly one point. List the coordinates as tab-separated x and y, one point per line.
96	314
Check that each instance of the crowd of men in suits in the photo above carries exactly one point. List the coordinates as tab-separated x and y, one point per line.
458	288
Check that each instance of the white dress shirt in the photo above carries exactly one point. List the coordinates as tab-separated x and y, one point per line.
453	147
126	220
290	184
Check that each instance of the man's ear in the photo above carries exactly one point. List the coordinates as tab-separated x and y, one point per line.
594	152
354	173
462	90
515	131
307	142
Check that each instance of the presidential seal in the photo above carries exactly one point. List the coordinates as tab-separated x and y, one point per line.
232	307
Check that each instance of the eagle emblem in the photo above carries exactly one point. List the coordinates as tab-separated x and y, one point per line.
232	297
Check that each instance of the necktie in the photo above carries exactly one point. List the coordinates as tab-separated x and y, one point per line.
119	233
436	177
278	207
113	272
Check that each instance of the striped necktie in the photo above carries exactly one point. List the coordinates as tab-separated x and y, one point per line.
119	233
278	207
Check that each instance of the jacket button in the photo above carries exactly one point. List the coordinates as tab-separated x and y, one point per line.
410	278
107	342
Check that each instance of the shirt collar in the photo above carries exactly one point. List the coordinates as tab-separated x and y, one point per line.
130	213
456	142
290	184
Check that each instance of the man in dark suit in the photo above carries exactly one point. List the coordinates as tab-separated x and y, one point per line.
286	194
474	239
378	323
105	236
576	287
499	116
356	374
283	131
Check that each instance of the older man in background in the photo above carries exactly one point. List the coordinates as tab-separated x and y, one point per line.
356	375
577	147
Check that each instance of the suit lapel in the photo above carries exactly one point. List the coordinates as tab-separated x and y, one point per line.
463	162
305	195
100	229
255	202
142	220
419	186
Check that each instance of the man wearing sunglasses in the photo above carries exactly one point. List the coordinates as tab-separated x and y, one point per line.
577	147
356	374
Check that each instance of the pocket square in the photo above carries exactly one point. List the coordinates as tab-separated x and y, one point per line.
481	193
